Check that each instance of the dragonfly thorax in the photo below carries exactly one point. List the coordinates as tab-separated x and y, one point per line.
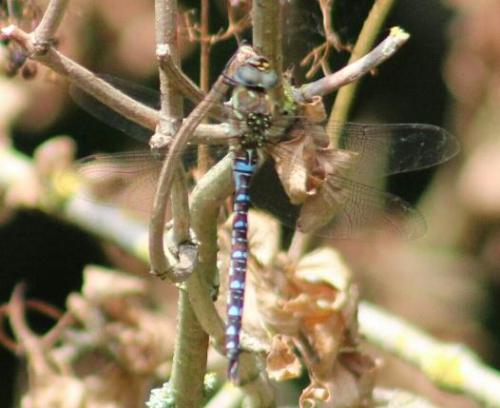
257	126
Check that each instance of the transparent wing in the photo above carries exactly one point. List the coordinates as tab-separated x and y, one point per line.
405	147
112	118
401	147
365	209
125	179
344	209
129	179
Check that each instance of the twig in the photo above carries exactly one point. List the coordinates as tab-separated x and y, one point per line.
350	73
27	340
268	37
44	33
159	264
332	39
319	55
107	94
184	84
366	38
189	367
85	79
171	112
450	366
205	48
234	27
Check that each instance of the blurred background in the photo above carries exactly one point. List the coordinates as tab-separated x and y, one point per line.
448	74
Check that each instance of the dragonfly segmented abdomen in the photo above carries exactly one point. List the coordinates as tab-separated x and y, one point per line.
244	164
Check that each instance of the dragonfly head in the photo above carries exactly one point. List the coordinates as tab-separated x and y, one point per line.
256	73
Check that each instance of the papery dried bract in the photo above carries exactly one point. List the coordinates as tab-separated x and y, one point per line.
313	305
306	162
282	363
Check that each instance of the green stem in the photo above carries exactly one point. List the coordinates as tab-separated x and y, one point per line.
190	356
191	341
268	36
448	365
366	39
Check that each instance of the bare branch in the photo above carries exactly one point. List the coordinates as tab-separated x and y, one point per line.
318	56
267	33
159	263
451	366
112	97
353	71
171	112
44	33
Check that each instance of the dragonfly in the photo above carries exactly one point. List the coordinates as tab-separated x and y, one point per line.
332	202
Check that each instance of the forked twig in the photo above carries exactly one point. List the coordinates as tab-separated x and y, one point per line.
351	72
159	264
318	57
44	33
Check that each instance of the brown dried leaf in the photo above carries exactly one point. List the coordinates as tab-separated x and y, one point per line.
304	162
320	208
282	364
345	388
314	304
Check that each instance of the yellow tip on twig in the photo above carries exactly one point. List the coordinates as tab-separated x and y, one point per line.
399	32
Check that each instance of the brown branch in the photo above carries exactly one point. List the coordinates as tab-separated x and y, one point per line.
171	112
44	33
159	263
355	70
318	56
112	97
234	27
268	38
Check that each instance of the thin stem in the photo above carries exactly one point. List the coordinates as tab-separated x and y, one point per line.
184	84
51	20
350	73
367	36
451	366
205	46
203	155
171	112
268	37
159	262
112	97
